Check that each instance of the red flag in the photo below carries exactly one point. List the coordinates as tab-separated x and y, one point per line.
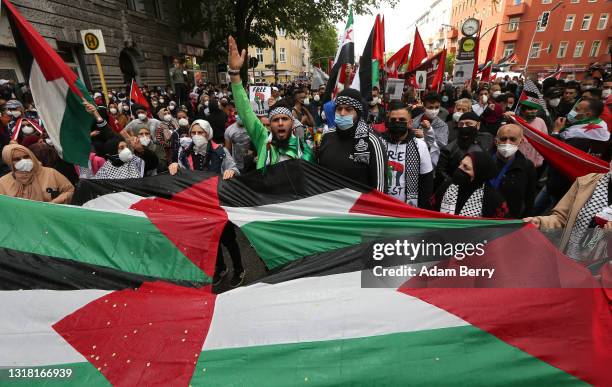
418	52
486	72
476	52
136	96
570	161
398	59
378	49
436	82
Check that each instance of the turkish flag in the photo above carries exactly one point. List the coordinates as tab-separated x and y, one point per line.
137	97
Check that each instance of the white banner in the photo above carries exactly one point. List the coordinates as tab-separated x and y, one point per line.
395	88
258	95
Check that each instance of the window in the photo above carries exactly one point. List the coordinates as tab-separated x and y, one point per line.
569	22
508	49
562	49
546	1
586	22
578	49
282	32
592	1
514	23
259	54
575	1
517	2
595	48
281	55
535	50
603	21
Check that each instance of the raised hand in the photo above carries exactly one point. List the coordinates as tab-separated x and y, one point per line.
235	60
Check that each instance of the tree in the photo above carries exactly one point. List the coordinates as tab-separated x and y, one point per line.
450	62
323	44
255	22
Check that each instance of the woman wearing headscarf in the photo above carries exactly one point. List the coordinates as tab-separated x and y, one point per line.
30	180
202	153
469	192
122	163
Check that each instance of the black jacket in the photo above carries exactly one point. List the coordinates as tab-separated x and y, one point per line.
336	151
518	186
451	155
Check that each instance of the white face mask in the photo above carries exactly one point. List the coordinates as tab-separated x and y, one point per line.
126	155
606	93
507	150
126	108
16	113
161	100
183	122
456	116
199	140
185	141
142	116
432	113
27	129
48	141
496	93
306	102
113	111
316	98
171	107
167	117
554	102
145	140
24	165
485	98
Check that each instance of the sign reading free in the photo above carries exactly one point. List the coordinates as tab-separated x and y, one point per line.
93	41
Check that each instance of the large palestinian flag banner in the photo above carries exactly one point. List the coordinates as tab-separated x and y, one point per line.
317	318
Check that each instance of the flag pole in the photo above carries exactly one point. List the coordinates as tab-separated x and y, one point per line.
102	81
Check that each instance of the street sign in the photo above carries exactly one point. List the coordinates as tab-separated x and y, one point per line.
467	48
462	72
93	41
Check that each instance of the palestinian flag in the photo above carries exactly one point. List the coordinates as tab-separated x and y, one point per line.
531	96
508	60
56	90
570	161
24	121
368	74
345	55
314	322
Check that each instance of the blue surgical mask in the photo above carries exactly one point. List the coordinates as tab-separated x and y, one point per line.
571	116
344	122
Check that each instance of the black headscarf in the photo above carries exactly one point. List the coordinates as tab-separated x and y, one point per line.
484	170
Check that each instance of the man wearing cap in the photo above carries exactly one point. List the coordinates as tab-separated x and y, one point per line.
552	96
353	149
15	110
469	139
142	120
278	144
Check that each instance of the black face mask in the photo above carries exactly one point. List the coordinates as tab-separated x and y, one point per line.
466	136
460	178
531	116
397	128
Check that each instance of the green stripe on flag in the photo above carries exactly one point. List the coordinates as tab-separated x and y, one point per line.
375	73
306	237
461	356
123	242
76	126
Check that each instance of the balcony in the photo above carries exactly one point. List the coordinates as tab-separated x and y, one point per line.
515	10
510	36
452	33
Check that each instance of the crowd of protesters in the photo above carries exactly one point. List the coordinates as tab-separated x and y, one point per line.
457	151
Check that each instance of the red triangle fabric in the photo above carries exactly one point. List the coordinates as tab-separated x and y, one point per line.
150	336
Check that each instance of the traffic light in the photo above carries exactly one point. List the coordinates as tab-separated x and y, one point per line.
544	19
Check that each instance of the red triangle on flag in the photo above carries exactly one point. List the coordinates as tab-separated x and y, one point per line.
150	336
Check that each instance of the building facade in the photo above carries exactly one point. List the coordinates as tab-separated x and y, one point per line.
287	60
141	38
489	12
578	33
435	26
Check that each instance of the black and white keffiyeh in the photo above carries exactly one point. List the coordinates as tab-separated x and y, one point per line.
597	201
280	110
361	150
472	207
133	169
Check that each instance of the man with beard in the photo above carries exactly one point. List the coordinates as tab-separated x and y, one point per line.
409	159
278	144
353	149
469	139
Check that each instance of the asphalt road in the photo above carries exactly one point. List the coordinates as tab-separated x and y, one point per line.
255	268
